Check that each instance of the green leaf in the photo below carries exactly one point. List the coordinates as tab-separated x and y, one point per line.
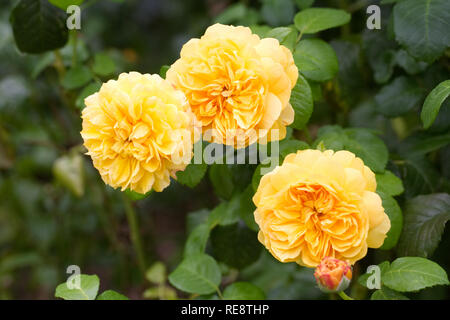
232	13
302	102
287	36
76	77
408	63
389	183
86	92
111	295
398	97
425	219
419	176
225	213
198	273
68	170
45	60
88	289
192	175
380	54
156	273
433	103
277	12
243	291
421	26
63	4
196	218
394	213
413	273
291	146
387	294
235	245
38	26
316	59
362	142
160	292
135	196
421	143
303	4
247	208
196	242
103	65
163	71
313	20
221	179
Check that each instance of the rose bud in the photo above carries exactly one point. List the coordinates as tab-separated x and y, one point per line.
333	275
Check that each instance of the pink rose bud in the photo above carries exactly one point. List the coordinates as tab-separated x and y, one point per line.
333	275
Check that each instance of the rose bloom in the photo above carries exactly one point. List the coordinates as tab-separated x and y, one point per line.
137	130
320	204
333	275
237	84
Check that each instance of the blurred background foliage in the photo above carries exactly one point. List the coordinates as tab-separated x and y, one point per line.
54	209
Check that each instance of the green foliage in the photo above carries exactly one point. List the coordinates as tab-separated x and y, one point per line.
358	89
243	291
316	60
87	290
313	20
362	142
433	103
420	26
198	273
111	295
425	219
387	294
76	77
413	273
38	26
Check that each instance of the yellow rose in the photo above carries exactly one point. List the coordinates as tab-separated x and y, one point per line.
320	204
237	84
137	130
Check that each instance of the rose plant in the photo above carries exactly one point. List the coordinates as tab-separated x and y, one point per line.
355	119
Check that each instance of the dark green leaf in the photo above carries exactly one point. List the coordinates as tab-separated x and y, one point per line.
236	245
221	179
421	26
425	219
192	175
38	26
398	97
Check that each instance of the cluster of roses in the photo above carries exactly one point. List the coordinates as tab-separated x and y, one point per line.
317	204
